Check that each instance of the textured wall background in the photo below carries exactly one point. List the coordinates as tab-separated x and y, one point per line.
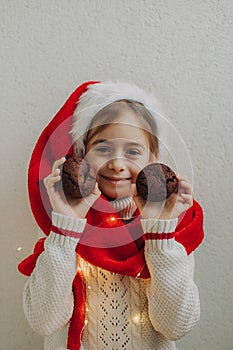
182	52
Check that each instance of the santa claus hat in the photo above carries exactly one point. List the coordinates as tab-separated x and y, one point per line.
70	123
99	96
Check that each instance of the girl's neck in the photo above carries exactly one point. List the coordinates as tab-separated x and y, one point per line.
125	207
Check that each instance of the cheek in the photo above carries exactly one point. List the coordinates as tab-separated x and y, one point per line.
138	166
143	161
136	169
89	155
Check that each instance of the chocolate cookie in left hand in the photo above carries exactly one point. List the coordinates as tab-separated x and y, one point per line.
156	182
78	178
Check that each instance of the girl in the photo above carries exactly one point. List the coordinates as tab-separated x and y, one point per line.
114	272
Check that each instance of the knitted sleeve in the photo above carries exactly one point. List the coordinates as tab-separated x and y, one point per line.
173	298
48	297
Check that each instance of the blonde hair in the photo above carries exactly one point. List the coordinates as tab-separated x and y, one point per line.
110	112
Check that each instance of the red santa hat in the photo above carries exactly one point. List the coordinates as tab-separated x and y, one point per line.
99	96
69	125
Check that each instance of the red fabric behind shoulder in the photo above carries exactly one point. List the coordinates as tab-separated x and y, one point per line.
54	143
189	231
27	265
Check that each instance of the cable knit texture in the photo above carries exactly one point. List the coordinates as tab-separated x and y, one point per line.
125	207
158	226
117	313
67	223
122	313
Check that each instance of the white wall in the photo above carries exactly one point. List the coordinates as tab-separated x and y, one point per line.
182	52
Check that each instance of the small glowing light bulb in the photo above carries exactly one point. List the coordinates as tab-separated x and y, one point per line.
87	309
138	275
19	249
86	322
136	318
89	287
112	218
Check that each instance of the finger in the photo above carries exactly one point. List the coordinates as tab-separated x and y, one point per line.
185	189
53	181
57	172
185	183
50	180
139	201
54	173
182	177
134	190
186	197
86	203
186	186
58	163
96	190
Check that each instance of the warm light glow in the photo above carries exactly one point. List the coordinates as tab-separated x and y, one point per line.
136	318
86	322
19	248
138	274
112	218
89	287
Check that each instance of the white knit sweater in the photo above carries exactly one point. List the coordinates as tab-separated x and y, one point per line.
122	313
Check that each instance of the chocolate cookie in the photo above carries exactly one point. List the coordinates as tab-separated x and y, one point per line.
78	178
156	182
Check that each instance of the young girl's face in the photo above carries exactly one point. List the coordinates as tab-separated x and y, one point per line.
118	153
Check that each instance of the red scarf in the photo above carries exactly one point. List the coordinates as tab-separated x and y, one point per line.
116	247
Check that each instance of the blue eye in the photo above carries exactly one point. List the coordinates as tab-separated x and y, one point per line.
133	152
102	149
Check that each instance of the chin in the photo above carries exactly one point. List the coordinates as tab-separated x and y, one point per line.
112	195
112	192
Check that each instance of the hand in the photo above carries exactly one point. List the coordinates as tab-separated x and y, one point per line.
172	207
72	207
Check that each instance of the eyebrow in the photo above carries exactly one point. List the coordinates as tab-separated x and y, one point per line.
100	141
96	142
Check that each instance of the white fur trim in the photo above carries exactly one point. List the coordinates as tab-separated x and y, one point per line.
102	94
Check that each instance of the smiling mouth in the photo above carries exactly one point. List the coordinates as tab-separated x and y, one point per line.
115	180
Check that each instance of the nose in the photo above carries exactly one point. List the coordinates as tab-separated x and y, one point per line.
117	164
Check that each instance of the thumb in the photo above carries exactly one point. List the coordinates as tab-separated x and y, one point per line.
93	195
134	191
96	190
137	199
